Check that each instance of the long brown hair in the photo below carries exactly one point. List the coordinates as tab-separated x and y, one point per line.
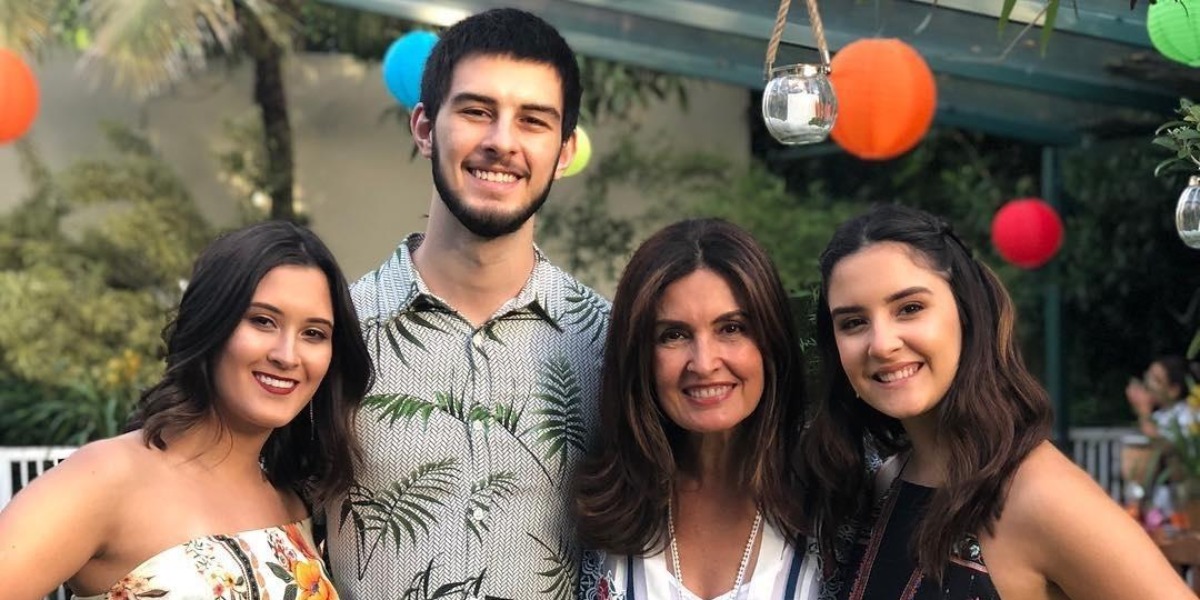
990	419
623	485
316	452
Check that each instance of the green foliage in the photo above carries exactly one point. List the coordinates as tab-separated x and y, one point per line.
487	495
559	575
243	165
1181	137
1050	12
596	243
90	265
560	426
612	91
395	513
1127	282
363	34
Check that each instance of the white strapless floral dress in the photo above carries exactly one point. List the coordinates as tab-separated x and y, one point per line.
275	563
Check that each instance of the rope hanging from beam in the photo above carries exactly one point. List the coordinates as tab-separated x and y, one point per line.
814	18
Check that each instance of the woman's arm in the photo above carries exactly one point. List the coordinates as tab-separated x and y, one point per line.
54	526
1073	535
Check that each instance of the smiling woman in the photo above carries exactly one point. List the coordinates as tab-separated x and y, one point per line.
973	502
251	424
700	406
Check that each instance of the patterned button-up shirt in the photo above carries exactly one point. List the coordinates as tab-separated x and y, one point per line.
471	435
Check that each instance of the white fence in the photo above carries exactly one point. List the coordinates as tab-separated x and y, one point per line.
1096	450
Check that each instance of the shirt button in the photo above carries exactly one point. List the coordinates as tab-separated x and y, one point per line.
477	514
477	425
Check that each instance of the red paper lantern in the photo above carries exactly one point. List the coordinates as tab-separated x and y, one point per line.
18	96
1027	232
886	98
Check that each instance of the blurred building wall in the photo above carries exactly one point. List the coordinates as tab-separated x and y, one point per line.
356	179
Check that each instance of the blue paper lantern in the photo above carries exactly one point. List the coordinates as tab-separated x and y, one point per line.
1174	28
404	63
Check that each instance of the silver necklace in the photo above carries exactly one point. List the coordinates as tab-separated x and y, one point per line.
741	572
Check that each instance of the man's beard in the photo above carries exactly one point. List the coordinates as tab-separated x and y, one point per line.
483	224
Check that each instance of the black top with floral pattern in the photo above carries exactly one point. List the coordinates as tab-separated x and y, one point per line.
885	567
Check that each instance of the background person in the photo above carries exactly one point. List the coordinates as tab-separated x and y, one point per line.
1159	398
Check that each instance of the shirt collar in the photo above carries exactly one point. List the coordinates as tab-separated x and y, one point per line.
414	293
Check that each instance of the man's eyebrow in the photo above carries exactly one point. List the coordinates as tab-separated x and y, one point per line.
466	97
469	97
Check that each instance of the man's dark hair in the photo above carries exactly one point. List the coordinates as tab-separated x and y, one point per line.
507	32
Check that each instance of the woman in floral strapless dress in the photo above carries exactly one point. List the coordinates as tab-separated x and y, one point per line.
207	497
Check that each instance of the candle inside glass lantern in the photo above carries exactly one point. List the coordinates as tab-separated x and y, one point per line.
799	106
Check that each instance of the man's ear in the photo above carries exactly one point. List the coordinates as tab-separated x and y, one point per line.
566	154
422	130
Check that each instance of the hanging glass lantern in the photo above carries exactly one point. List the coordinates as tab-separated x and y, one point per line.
1187	214
798	105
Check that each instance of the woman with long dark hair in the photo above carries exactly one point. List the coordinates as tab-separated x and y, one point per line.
251	424
973	501
690	491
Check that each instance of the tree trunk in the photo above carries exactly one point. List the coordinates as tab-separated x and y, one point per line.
269	95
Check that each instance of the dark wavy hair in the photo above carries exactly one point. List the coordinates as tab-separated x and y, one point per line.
622	487
1178	370
316	459
506	32
992	416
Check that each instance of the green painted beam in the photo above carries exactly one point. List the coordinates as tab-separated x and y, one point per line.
710	39
1105	19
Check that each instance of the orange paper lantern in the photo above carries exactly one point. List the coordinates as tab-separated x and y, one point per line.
886	98
18	96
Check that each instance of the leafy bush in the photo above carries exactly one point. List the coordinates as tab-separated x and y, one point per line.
90	265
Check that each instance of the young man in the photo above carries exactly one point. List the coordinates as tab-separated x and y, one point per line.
487	356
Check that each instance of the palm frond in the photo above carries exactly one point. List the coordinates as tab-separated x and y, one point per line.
399	510
450	403
561	572
418	586
278	25
508	417
149	44
486	495
587	310
26	24
400	326
399	406
561	426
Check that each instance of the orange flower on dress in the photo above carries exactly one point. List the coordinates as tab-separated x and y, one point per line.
312	583
296	536
134	587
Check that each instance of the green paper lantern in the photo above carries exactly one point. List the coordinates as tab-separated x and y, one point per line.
1174	27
